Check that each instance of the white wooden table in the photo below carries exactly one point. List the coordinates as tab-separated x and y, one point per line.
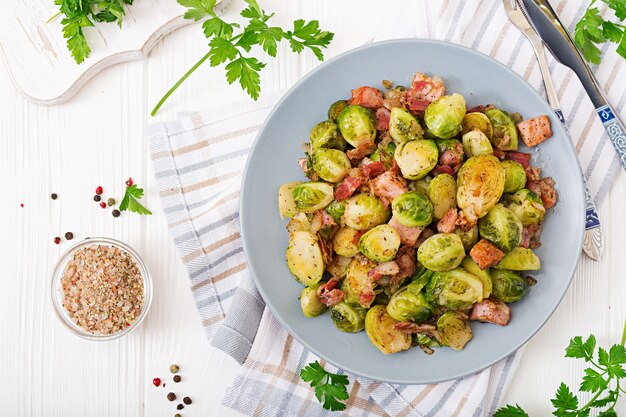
97	139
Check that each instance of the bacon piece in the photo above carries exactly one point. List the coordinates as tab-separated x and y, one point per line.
530	236
424	90
533	173
408	327
372	169
328	293
477	109
544	188
521	157
536	130
464	222
498	153
365	96
491	311
452	156
408	235
382	118
302	163
366	296
386	268
447	224
486	254
356	155
407	261
389	185
347	187
443	169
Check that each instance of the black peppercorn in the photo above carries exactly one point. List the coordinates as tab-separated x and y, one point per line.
180	407
187	400
171	396
54	196
116	213
177	378
69	236
96	197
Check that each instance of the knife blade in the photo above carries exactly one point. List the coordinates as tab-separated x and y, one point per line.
557	39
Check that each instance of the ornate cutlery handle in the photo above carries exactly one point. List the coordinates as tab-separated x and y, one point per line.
616	131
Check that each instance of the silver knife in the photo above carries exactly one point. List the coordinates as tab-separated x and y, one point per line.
592	243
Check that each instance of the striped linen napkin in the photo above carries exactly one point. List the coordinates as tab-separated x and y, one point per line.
198	162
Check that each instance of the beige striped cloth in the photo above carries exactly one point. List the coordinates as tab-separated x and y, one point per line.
198	161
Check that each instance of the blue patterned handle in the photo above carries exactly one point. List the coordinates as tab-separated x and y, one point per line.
616	131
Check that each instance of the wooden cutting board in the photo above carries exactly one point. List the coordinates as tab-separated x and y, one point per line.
37	58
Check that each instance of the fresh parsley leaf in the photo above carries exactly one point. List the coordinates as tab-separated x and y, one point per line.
130	201
618	6
565	400
603	402
330	389
588	32
593	381
580	350
217	27
308	35
611	31
621	48
617	358
247	71
511	411
608	413
198	9
222	50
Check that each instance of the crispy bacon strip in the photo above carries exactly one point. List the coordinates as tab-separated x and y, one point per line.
486	254
382	118
329	294
366	96
347	187
536	130
447	224
491	311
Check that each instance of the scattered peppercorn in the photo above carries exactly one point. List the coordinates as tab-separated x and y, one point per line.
164	385
174	368
129	182
171	396
177	378
99	190
116	213
187	400
156	382
54	196
111	201
96	197
22	205
177	415
180	407
69	236
57	240
103	204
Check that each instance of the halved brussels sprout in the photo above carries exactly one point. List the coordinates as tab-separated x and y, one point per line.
442	193
441	252
357	125
380	329
469	237
445	115
299	223
286	203
454	330
403	126
385	155
519	259
331	165
348	318
304	258
326	135
476	143
504	130
312	196
508	286
420	279
527	206
406	305
336	210
345	241
416	158
502	228
456	289
480	185
310	303
445	144
514	176
380	244
336	108
356	280
477	121
482	274
364	211
412	209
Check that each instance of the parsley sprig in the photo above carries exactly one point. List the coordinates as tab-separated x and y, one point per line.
331	389
79	14
603	378
230	43
131	202
593	30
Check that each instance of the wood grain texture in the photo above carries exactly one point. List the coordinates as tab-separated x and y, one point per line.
97	139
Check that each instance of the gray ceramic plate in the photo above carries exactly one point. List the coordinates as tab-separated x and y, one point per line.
272	162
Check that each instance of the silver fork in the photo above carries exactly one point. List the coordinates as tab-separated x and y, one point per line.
592	243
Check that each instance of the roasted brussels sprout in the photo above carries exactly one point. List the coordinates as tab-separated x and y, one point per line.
385	155
501	227
412	209
380	329
357	125
445	115
527	206
441	252
336	108
423	340
406	305
421	184
480	185
380	244
519	259
310	303
345	241
477	121
454	330
416	158
393	97
476	143
312	196
331	165
304	258
469	237
286	203
298	223
326	135
504	130
356	280
442	193
514	176
508	286
482	274
336	209
348	318
364	211
403	126
338	268
456	289
420	279
445	144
